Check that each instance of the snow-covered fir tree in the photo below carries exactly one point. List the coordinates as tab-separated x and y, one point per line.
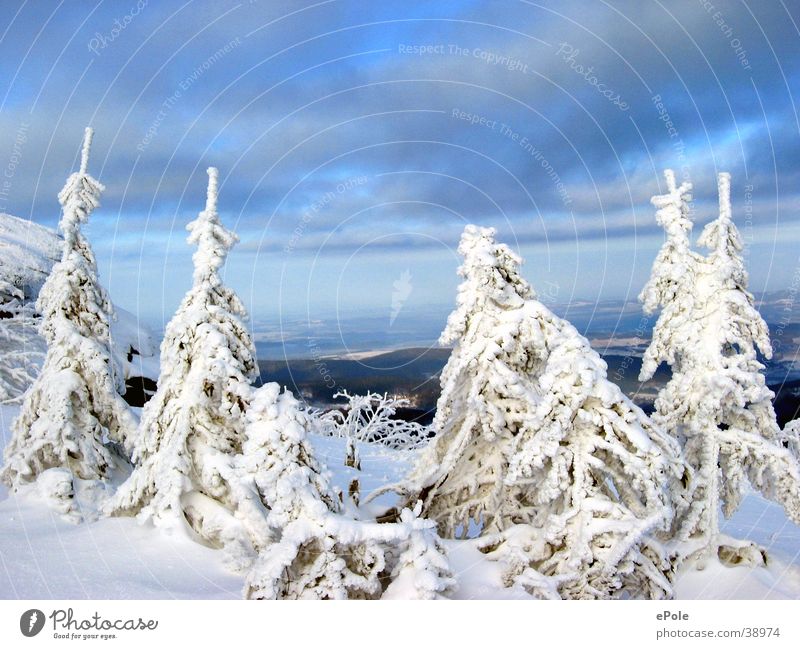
530	432
317	552
194	425
422	570
671	284
716	403
74	407
316	547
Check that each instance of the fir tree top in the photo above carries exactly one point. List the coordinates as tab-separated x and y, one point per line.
80	195
213	240
491	278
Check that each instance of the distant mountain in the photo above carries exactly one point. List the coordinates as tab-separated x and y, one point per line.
414	373
411	373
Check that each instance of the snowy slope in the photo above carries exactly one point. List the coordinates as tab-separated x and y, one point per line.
42	556
27	253
128	334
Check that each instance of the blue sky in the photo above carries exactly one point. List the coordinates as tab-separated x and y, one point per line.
355	140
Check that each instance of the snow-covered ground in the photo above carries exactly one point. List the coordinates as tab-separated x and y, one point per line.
42	556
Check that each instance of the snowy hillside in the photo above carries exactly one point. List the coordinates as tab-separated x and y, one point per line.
27	253
134	345
47	557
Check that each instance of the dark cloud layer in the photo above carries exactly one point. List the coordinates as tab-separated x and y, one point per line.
347	131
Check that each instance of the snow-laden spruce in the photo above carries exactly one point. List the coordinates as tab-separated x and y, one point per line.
74	406
422	571
671	283
194	424
317	548
529	432
317	553
716	403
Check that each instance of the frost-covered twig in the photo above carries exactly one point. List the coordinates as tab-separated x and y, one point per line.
371	418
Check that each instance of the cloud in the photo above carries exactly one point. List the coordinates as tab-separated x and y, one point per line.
292	99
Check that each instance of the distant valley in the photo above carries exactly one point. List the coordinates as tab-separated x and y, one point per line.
413	373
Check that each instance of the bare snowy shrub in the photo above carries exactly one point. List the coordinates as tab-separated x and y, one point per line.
352	457
371	418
